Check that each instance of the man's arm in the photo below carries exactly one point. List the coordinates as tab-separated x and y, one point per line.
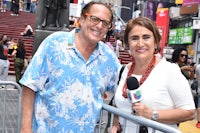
28	97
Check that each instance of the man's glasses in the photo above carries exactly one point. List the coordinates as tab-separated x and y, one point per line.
183	55
96	20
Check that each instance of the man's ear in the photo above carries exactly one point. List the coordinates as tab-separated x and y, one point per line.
81	20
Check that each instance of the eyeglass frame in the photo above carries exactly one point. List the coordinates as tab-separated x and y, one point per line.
109	26
182	55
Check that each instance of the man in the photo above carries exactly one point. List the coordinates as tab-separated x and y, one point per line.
68	75
118	27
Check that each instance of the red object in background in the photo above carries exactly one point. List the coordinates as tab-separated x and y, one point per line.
76	1
162	30
162	21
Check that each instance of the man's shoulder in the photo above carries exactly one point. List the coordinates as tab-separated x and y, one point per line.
59	34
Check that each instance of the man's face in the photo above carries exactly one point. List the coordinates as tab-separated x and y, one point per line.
96	23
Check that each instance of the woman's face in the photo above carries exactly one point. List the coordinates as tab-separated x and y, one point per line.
182	56
141	42
4	38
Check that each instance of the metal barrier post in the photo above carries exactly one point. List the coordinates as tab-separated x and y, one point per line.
4	109
18	87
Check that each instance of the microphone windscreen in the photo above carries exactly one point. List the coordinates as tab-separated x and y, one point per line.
132	83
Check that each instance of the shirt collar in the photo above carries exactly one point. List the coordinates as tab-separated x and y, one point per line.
71	42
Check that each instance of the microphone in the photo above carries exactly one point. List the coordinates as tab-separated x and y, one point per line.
134	94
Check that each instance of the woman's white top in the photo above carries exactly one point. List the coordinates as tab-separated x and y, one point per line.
165	88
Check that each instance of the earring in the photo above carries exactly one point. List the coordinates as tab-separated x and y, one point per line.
156	51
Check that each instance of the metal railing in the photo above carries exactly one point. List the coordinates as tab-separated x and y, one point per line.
137	119
3	100
127	116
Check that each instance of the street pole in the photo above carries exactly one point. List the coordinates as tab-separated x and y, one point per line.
197	46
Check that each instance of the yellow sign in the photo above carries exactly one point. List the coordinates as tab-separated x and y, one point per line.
179	2
161	9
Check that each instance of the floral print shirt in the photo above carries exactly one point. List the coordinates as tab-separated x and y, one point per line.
68	89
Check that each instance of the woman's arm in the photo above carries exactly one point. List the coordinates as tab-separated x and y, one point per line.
168	116
14	52
175	115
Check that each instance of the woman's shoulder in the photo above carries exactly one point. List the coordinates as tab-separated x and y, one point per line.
168	65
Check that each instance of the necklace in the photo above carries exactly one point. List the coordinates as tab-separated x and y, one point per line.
144	77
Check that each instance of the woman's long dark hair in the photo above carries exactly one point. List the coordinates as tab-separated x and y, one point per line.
3	41
20	45
176	54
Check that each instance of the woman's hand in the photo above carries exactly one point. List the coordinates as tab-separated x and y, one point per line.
187	68
142	110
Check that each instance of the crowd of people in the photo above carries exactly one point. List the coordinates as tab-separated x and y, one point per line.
18	5
15	48
65	83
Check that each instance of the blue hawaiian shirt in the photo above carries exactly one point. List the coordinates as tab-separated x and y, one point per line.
68	89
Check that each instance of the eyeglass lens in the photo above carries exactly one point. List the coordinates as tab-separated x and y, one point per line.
183	55
96	20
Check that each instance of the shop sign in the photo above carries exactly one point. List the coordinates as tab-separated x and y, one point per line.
190	2
196	24
189	9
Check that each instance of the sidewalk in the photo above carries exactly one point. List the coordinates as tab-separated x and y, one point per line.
11	78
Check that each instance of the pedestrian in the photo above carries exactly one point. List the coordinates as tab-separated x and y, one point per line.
163	91
28	4
15	7
180	56
118	27
76	23
4	62
11	44
28	31
82	4
4	5
110	33
19	54
64	84
33	6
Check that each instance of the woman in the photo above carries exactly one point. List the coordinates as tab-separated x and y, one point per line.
28	31
179	57
19	54
4	62
166	94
